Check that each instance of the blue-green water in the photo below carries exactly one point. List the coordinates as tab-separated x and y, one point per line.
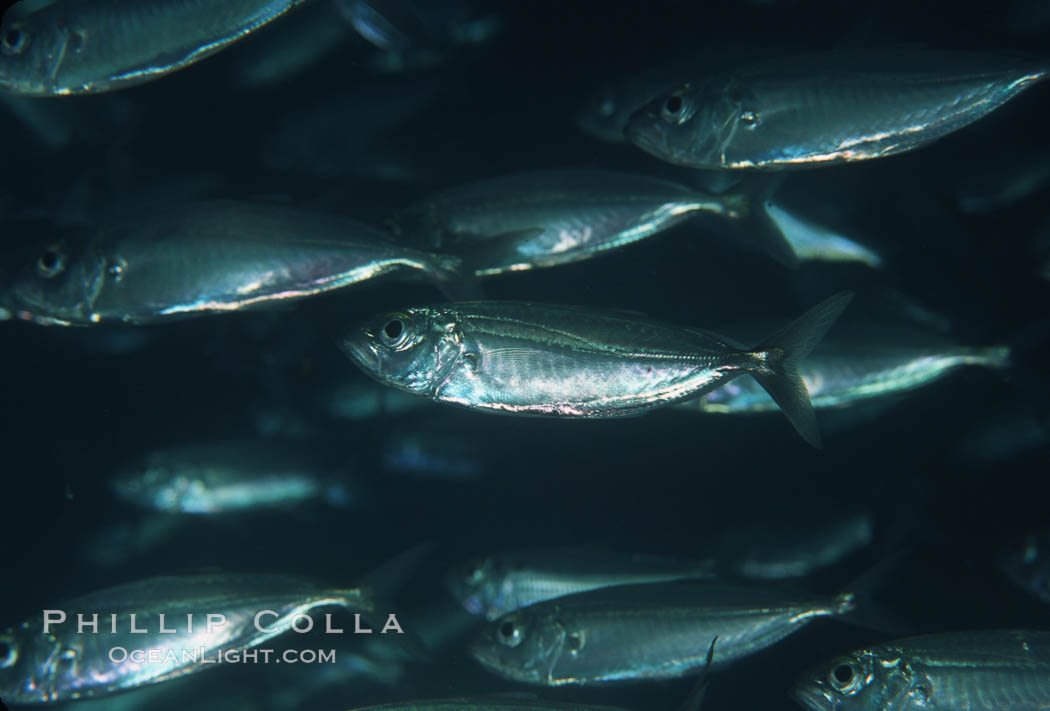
953	474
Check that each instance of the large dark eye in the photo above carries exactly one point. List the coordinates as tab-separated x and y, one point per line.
677	107
510	633
606	105
8	652
14	40
51	263
395	332
393	329
843	676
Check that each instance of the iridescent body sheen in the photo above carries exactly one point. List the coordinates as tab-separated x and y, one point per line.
992	670
220	477
839	377
90	46
821	109
565	361
545	219
63	664
497	585
636	632
211	257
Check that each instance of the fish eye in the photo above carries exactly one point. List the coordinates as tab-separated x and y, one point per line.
510	633
51	263
606	106
395	332
8	651
14	40
676	107
843	676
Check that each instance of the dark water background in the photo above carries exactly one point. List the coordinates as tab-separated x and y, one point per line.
78	402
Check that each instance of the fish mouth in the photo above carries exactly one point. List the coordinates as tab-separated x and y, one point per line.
642	130
812	698
361	351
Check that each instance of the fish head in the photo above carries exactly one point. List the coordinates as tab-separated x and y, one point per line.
412	350
694	125
33	45
54	283
31	665
860	681
524	646
161	487
480	587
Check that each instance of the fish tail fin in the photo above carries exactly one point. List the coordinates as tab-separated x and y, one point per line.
746	206
782	353
454	278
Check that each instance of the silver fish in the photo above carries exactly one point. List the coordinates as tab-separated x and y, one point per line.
549	218
638	632
994	670
839	376
564	361
222	477
38	666
497	585
822	109
91	46
763	552
209	258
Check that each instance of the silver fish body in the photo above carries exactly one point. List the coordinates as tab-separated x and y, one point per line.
826	108
994	670
545	219
222	477
92	46
641	632
64	664
497	585
210	258
764	552
846	376
562	361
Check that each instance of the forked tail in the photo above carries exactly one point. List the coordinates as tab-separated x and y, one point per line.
782	353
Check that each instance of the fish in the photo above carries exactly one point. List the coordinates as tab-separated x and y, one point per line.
826	108
643	632
58	663
1028	567
497	585
206	258
763	552
226	476
549	218
989	670
519	358
91	46
842	376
